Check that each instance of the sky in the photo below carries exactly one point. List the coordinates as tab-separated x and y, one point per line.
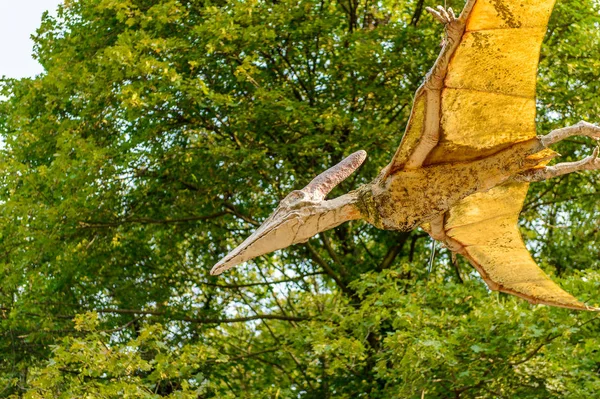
18	20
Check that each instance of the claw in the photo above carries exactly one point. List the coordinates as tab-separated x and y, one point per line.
445	16
593	160
444	13
451	12
436	15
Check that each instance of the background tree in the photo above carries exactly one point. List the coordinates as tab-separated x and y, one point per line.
162	132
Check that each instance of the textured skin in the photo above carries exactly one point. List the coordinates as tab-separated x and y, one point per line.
411	197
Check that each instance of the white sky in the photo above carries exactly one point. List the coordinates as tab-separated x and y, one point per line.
18	20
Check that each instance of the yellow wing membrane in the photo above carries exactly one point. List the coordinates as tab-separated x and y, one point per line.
488	100
486	226
488	94
487	104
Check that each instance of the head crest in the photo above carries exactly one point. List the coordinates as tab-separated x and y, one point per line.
321	185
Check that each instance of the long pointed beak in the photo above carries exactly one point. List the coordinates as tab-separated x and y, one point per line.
270	236
290	225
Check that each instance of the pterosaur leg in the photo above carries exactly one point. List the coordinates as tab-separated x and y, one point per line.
580	129
591	162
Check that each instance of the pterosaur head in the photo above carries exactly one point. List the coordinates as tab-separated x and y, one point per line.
299	216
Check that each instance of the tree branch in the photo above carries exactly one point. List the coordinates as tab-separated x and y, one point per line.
237	213
393	252
548	339
328	270
207	320
333	255
285	280
413	242
417	14
92	225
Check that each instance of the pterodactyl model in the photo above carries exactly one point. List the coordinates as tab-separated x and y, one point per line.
466	159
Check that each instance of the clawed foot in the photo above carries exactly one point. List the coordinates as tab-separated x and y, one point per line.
444	16
593	161
453	25
592	131
588	163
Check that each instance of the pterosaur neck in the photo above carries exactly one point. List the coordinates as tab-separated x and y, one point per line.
343	208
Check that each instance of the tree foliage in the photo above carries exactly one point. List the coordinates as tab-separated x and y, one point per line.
162	132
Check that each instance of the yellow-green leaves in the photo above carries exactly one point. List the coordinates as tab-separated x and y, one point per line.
163	131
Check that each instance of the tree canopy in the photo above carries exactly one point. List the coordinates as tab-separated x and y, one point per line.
162	132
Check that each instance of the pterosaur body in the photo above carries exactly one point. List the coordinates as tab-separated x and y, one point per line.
466	159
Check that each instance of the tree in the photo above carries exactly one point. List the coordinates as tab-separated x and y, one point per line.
163	131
